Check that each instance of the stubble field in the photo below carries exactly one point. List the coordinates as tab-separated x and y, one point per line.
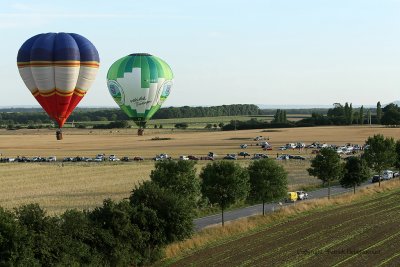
85	185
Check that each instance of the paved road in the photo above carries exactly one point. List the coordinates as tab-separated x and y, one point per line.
203	222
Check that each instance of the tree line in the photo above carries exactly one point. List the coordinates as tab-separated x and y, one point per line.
338	115
134	231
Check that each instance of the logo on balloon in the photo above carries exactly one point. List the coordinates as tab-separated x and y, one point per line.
116	92
166	89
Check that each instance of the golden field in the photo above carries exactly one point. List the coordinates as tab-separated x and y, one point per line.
85	185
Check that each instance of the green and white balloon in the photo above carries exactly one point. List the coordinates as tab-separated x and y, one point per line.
139	84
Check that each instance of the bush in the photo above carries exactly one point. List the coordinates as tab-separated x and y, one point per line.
181	125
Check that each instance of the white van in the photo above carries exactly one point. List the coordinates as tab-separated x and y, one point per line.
387	175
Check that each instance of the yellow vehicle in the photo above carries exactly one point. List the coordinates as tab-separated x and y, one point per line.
291	197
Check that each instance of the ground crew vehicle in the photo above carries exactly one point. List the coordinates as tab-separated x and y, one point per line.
291	197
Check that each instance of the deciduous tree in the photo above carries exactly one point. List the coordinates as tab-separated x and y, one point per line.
356	172
380	153
224	183
268	181
327	167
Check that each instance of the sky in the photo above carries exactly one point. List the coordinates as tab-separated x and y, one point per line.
286	52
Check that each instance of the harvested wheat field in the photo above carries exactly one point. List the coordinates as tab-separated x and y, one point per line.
85	142
362	233
85	185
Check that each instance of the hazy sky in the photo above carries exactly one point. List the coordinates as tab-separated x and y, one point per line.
286	52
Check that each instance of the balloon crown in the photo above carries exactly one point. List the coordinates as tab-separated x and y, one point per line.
140	54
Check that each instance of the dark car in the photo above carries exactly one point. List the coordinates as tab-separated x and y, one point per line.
230	157
191	157
376	178
125	159
138	158
244	154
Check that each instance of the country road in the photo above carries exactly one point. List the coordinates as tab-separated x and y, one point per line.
232	215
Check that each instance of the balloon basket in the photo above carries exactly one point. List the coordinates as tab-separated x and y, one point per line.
59	135
140	132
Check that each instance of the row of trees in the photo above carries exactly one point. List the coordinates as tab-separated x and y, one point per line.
338	115
37	116
134	231
380	153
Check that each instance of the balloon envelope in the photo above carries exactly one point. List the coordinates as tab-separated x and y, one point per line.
58	69
139	84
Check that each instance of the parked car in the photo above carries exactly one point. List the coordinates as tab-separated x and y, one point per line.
283	157
301	195
191	157
125	159
212	155
52	159
259	156
230	157
387	175
137	158
113	158
98	159
161	157
243	146
183	157
376	179
244	154
298	157
207	158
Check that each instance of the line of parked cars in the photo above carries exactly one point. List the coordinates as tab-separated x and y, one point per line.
386	175
26	159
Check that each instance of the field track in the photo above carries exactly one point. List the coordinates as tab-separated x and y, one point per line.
364	233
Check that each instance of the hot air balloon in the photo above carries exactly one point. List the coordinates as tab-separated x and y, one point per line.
139	84
58	69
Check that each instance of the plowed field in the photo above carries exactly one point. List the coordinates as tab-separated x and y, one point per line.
365	233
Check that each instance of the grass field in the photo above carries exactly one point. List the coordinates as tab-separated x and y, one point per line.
360	233
57	188
201	122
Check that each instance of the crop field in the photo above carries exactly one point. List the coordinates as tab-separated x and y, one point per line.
58	186
363	233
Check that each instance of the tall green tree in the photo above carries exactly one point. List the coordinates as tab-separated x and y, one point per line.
391	115
380	153
327	167
268	181
347	113
356	117
378	112
174	213
224	183
179	177
369	116
16	248
356	172
361	115
351	114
